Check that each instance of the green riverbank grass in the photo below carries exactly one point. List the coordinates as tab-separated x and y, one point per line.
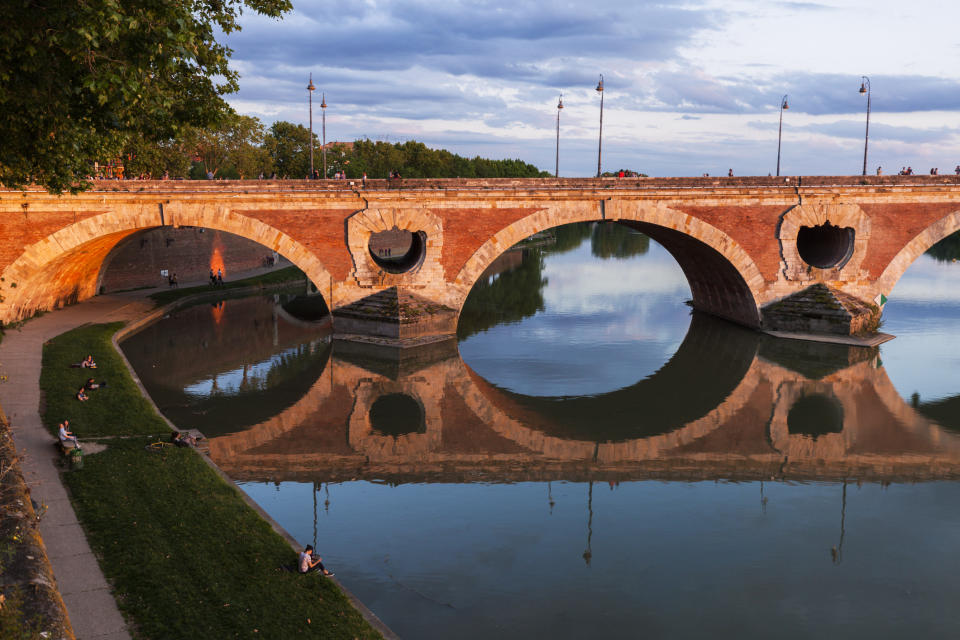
189	559
118	409
186	556
287	274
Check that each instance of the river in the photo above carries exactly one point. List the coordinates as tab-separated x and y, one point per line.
590	458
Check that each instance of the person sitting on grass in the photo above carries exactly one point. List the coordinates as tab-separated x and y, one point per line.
67	436
88	363
307	562
184	439
82	395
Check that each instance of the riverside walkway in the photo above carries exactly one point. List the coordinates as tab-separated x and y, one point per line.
90	604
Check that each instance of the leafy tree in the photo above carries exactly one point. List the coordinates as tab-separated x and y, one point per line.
415	160
234	144
154	159
288	145
78	80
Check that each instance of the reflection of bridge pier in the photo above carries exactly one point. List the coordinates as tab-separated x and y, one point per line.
828	414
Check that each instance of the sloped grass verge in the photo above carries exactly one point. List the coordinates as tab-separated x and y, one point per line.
186	556
189	559
118	409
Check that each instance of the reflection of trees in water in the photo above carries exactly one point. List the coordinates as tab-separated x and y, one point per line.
947	250
296	363
509	297
613	240
568	237
516	294
945	411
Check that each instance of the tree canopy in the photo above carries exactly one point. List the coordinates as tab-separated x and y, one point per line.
415	160
79	80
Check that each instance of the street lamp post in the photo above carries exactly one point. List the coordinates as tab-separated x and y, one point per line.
323	140
310	90
783	105
556	171
865	88
600	140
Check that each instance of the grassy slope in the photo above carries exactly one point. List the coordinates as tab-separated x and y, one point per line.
287	274
118	409
186	556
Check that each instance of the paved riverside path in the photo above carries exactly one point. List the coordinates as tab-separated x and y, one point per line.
92	609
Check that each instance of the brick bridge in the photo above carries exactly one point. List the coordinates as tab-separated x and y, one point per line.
746	245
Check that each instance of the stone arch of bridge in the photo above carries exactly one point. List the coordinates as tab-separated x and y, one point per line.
64	267
723	278
945	226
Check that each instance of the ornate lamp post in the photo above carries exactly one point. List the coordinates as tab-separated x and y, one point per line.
783	105
310	90
323	140
556	171
600	140
865	88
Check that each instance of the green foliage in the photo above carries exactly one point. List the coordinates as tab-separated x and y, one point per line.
288	146
118	409
415	160
15	624
947	250
154	159
79	80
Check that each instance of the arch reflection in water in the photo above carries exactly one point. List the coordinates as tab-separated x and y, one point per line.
226	365
473	431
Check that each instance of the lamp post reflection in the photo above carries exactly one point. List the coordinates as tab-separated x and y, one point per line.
588	552
836	553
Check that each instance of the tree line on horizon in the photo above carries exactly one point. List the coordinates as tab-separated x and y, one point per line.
241	148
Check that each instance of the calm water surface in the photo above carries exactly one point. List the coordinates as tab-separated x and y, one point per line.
590	459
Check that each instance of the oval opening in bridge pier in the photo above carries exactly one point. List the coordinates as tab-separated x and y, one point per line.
815	415
825	246
398	250
397	414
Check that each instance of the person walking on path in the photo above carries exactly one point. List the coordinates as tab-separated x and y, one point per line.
307	562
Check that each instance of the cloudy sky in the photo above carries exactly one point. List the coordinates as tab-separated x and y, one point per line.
690	86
